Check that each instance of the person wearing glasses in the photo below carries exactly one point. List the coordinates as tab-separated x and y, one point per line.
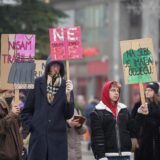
148	124
111	126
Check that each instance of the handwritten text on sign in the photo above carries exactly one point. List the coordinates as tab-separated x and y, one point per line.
22	45
139	63
65	43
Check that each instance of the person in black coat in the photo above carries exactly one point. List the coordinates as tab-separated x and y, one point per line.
148	122
46	110
111	125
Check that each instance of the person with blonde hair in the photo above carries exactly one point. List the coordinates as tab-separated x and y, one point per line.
10	138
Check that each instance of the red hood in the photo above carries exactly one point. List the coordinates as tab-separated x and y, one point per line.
106	99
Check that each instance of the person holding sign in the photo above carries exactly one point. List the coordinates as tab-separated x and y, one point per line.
111	126
148	120
10	139
45	113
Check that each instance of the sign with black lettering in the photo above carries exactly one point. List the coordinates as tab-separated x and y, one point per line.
22	50
138	61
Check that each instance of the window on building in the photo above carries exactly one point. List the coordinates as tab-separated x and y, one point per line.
92	16
69	20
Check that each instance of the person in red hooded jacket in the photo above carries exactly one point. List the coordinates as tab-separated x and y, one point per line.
111	126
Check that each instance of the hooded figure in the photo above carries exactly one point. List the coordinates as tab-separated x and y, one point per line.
10	138
111	126
45	113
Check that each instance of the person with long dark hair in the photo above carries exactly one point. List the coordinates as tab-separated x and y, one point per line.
148	121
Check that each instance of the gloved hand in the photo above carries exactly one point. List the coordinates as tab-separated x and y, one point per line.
69	86
104	158
143	109
135	144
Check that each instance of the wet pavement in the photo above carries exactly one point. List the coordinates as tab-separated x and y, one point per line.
86	155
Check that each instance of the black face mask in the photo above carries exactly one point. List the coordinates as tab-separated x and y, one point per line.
9	100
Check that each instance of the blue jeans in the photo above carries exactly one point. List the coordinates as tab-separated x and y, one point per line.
119	158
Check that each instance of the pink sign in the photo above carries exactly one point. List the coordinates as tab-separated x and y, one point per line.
65	43
23	45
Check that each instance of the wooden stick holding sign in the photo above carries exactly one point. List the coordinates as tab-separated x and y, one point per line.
67	70
16	97
65	44
142	93
138	62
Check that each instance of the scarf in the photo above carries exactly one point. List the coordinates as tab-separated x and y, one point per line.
53	84
106	99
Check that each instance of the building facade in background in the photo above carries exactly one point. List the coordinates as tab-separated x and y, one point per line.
104	23
9	2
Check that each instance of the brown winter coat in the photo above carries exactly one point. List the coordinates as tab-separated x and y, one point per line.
10	138
74	141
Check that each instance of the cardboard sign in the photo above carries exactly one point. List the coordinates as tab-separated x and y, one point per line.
65	43
6	63
138	61
40	68
24	45
8	46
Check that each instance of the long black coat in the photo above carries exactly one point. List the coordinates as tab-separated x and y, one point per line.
149	137
47	123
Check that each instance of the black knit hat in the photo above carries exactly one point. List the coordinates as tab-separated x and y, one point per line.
154	86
